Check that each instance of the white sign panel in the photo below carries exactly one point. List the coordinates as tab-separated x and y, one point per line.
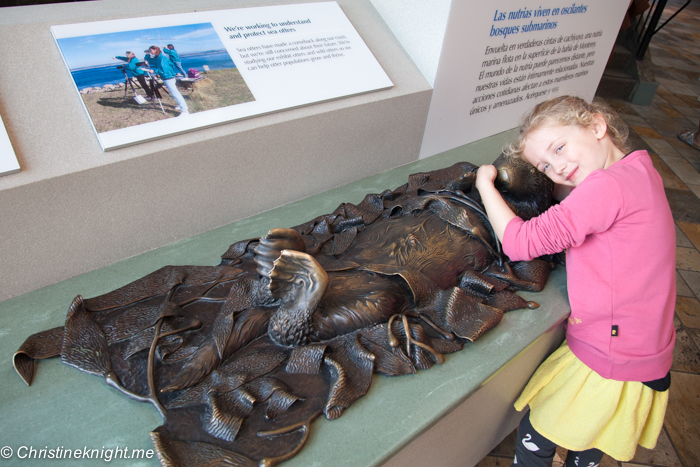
501	58
8	159
232	64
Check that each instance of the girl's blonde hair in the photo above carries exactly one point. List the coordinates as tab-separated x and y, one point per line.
570	110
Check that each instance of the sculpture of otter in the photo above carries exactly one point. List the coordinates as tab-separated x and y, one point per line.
294	324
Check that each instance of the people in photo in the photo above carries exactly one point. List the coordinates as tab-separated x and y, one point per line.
175	58
136	71
166	70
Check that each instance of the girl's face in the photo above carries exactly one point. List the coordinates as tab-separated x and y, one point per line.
568	154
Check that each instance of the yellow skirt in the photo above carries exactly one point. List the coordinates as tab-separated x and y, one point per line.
577	409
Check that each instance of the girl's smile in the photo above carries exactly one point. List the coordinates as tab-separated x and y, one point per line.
569	153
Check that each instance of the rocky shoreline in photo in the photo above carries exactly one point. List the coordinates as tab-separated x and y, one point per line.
105	88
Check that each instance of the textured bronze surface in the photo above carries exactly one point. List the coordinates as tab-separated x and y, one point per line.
240	358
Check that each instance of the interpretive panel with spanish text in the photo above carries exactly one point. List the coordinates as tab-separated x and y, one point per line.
511	56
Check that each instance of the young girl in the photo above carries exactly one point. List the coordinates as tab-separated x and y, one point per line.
605	389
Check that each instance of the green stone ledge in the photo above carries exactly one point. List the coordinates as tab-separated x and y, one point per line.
412	417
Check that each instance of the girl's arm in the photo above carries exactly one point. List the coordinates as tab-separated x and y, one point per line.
498	211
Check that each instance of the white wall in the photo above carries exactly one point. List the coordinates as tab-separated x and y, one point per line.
420	27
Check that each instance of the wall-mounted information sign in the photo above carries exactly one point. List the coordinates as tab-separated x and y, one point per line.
145	78
502	57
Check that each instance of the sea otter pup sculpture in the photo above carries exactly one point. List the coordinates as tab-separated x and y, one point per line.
240	358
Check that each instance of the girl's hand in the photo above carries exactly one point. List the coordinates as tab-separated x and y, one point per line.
485	177
498	211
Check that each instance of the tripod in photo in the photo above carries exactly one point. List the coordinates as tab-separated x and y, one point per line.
128	81
155	88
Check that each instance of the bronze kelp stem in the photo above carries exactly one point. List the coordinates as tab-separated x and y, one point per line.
112	379
394	342
304	424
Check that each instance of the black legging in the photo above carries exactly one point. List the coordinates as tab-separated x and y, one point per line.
534	450
144	86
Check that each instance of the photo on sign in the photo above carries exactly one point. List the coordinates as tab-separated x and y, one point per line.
132	77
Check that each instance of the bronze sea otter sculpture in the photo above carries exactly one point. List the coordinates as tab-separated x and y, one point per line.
240	358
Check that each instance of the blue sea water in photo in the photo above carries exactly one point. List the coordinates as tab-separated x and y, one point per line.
98	76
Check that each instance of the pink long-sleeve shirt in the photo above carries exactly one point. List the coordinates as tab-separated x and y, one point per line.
619	235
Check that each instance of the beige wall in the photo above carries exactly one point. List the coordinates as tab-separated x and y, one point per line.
74	208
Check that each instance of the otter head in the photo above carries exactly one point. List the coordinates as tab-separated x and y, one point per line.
525	189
